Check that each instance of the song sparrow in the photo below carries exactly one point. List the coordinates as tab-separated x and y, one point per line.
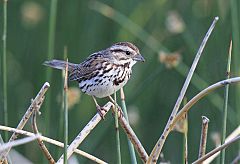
103	72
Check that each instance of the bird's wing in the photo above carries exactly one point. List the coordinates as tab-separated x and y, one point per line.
88	68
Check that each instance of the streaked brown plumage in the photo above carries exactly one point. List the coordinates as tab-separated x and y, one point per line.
103	72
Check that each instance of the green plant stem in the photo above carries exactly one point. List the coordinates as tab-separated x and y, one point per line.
117	130
51	44
225	107
52	28
130	145
4	38
61	116
62	112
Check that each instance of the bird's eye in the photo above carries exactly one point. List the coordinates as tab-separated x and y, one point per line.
128	52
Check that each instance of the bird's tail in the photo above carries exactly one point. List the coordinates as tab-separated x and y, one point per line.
60	64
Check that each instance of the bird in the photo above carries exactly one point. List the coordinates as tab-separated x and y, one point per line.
103	72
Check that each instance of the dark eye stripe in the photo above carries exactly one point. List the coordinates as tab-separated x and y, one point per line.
120	50
117	50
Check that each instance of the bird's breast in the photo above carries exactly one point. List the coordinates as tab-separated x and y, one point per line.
106	81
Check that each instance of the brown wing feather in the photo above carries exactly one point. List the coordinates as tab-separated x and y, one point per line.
88	67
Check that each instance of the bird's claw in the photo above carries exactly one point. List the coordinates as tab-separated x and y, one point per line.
120	112
101	111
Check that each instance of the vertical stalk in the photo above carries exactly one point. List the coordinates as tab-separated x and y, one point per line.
117	130
61	113
65	97
236	50
52	28
130	145
185	147
203	141
185	135
4	38
51	44
225	110
61	116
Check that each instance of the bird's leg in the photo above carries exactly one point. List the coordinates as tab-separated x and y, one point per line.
111	99
100	109
118	107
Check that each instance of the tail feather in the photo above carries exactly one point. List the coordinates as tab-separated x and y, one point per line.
60	64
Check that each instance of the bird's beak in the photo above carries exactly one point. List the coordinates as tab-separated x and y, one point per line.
139	57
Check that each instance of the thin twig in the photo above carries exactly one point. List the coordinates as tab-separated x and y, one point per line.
39	140
185	148
36	103
203	141
131	135
8	161
65	106
158	147
185	133
225	110
135	141
234	134
84	133
130	145
18	142
51	141
200	95
200	160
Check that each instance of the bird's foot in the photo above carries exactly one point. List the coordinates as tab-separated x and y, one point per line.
120	112
101	111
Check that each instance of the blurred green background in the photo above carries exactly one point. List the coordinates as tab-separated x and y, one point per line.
160	29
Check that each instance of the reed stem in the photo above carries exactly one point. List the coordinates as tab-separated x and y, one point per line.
65	105
117	130
130	145
4	38
225	110
51	44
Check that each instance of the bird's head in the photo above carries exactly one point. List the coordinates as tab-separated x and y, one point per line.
126	52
